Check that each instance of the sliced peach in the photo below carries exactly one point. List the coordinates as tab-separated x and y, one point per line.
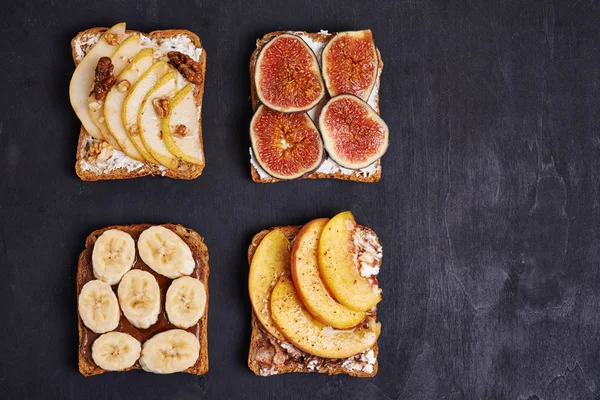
310	288
270	261
312	336
339	268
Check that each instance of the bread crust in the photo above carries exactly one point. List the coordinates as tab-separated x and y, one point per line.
259	336
200	253
193	171
322	38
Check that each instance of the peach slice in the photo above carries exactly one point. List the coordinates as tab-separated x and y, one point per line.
310	335
310	288
338	265
270	261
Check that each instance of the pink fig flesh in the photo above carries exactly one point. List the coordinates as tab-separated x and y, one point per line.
354	135
287	75
286	145
350	64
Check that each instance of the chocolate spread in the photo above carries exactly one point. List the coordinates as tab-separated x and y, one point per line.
87	336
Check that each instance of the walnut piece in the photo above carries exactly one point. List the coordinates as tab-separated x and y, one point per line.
181	130
123	86
134	129
113	39
161	106
190	69
99	150
94	105
104	77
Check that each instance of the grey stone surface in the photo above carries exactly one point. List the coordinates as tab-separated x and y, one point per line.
487	210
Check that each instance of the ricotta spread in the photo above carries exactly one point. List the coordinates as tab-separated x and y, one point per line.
109	160
368	253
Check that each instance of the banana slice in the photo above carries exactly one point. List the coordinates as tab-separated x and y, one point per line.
171	351
185	302
165	252
98	307
116	351
113	256
139	296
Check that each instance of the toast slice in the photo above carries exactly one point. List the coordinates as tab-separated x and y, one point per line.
328	169
269	356
120	166
199	250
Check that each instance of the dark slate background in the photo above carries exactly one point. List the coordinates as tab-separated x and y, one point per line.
487	210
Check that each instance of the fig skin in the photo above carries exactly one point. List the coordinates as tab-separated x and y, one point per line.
342	73
354	135
287	75
286	145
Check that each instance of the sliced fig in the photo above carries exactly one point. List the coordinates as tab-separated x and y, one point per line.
354	135
286	145
350	64
287	76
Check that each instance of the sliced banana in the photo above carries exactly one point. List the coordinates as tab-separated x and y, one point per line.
139	295
185	302
116	351
171	351
98	307
165	252
113	256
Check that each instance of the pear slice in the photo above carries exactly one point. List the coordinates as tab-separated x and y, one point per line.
184	144
312	336
133	102
149	120
113	104
126	50
83	80
270	261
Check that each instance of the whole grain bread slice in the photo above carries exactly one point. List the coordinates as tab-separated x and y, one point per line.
187	170
200	253
264	345
321	37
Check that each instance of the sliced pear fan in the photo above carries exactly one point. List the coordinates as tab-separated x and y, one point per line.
128	48
116	96
181	128
149	121
133	102
83	79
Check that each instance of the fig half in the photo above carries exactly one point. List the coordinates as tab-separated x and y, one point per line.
287	76
286	145
350	64
354	135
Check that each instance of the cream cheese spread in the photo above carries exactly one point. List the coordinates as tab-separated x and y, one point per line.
109	160
365	362
368	252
